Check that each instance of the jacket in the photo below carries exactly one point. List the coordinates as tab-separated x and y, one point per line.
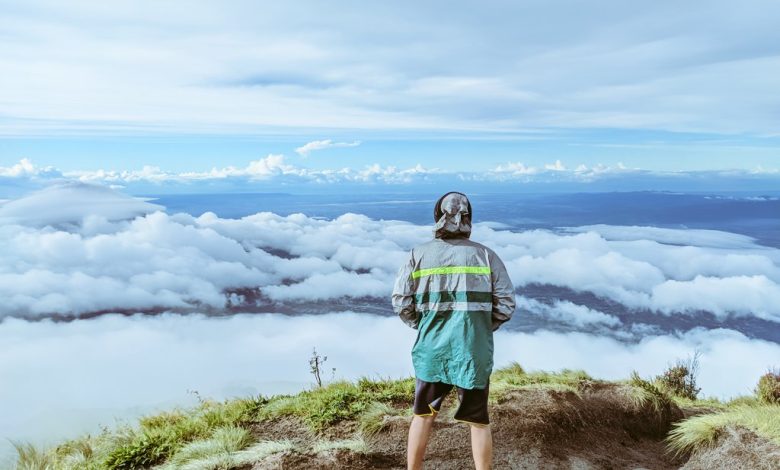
455	292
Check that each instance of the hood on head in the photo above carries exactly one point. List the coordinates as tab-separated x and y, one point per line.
452	214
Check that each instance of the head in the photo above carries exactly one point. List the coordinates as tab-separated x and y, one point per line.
452	214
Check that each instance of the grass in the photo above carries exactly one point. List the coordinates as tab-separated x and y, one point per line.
372	421
646	393
30	457
206	456
357	445
339	401
223	442
703	404
515	377
213	434
702	431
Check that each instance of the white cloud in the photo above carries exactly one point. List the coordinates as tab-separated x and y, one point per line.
103	251
70	202
316	145
567	312
275	171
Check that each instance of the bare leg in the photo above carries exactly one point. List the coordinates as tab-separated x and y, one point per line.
482	446
419	432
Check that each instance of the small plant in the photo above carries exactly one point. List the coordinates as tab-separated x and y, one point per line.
679	379
315	363
648	393
30	457
768	388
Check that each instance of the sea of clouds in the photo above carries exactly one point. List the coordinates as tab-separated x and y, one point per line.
77	250
82	252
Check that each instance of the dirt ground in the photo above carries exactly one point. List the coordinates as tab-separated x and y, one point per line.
599	428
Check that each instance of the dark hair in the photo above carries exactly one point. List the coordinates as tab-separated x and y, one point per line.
437	212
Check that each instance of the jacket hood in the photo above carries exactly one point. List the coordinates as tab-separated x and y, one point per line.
452	214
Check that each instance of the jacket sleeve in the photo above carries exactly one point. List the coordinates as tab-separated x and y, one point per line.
503	292
403	294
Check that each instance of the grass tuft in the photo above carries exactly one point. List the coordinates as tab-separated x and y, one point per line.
30	457
514	377
372	421
702	431
357	445
224	440
646	393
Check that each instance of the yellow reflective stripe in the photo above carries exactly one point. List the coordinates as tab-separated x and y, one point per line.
451	270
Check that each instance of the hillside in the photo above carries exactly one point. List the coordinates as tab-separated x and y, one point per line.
539	420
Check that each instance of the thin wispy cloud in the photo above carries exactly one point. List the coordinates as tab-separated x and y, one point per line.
476	67
316	145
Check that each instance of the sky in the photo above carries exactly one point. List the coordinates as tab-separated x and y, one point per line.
465	87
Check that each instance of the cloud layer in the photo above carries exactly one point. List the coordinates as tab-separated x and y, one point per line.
275	172
85	262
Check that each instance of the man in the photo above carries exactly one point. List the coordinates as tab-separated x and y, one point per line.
455	292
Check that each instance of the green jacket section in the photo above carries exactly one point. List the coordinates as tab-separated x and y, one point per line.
455	292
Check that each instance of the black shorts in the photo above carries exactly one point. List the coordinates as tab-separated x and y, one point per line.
473	408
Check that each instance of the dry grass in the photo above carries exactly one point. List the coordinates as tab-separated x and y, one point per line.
703	430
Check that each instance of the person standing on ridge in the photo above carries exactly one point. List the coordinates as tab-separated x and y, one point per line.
455	293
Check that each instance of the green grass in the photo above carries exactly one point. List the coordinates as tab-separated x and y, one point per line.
699	403
339	401
701	431
514	377
646	393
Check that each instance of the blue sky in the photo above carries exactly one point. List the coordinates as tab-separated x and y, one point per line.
191	86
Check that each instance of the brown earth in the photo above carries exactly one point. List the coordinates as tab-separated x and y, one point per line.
599	428
737	449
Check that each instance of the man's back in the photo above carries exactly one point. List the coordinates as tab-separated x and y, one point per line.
453	285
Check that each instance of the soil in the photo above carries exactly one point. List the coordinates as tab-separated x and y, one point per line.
599	428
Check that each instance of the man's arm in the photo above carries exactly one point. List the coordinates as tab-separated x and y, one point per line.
403	294
503	292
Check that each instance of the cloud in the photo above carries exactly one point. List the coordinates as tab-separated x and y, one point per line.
69	202
316	145
276	173
121	254
566	312
473	69
118	367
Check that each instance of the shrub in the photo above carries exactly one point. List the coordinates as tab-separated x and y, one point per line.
679	379
768	388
